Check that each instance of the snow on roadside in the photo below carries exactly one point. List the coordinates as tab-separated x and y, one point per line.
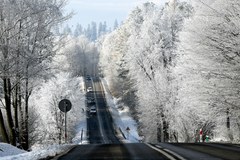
7	149
81	133
122	118
17	154
9	152
81	128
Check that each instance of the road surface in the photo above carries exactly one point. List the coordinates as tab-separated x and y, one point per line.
142	151
105	145
100	126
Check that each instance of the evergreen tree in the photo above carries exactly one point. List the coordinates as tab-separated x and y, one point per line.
100	28
93	31
88	32
78	30
67	30
104	27
115	24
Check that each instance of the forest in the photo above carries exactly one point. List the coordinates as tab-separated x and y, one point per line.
175	66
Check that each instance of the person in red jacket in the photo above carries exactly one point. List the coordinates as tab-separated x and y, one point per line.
201	135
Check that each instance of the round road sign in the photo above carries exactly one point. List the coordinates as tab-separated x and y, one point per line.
65	105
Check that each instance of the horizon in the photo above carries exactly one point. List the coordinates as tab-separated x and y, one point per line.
97	11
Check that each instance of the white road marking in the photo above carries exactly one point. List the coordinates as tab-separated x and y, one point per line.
159	146
175	154
169	151
161	151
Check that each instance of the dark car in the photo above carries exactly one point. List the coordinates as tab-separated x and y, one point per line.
90	101
88	78
93	110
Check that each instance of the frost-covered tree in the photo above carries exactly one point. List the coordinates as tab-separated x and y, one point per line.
78	30
207	70
45	99
82	56
115	26
26	48
102	28
152	42
146	50
67	30
93	31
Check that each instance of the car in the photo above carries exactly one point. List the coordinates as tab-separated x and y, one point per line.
93	110
88	78
90	101
89	89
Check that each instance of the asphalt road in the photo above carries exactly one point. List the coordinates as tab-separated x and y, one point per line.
113	151
200	151
142	151
105	145
100	126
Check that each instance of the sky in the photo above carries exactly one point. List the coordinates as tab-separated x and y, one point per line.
87	11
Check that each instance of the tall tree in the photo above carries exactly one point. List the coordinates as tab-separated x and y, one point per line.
115	26
26	46
93	31
211	57
152	34
78	30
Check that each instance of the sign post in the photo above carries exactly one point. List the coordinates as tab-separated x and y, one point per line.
65	106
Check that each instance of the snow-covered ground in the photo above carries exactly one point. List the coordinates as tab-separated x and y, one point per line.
81	128
9	152
81	133
122	118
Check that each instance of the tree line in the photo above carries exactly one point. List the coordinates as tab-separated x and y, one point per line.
27	45
177	67
93	31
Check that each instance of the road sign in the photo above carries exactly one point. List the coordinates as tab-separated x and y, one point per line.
65	105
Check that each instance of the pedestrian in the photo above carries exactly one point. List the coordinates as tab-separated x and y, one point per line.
201	135
207	138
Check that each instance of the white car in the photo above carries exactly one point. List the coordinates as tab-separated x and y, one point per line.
89	89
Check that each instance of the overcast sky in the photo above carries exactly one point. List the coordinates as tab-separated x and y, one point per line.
87	11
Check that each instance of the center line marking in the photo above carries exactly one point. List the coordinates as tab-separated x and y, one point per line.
161	151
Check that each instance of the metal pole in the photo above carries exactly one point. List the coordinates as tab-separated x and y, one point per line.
65	107
65	127
81	135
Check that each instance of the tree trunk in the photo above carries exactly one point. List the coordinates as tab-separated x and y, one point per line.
230	135
16	111
22	123
16	101
7	96
228	119
165	131
163	135
25	131
3	131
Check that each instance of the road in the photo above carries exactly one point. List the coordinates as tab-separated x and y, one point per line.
142	151
100	126
105	145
